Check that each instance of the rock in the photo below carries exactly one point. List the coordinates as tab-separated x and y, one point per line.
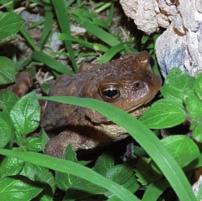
180	45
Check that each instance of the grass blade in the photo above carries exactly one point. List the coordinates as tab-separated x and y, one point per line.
73	168
64	22
97	31
50	62
146	138
47	26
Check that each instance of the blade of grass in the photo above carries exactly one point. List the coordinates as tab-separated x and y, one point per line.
47	26
97	31
145	137
64	22
84	43
73	168
51	62
111	53
29	40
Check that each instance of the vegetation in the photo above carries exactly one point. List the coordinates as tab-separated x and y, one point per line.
158	156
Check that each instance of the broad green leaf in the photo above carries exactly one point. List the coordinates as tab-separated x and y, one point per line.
154	190
143	136
10	24
182	148
197	133
7	71
164	114
10	166
26	114
37	143
37	173
7	100
16	190
198	86
68	181
124	175
177	85
104	163
75	169
6	129
193	106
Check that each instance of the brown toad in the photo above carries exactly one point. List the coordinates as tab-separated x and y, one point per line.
127	83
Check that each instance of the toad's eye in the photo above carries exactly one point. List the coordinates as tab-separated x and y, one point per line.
110	93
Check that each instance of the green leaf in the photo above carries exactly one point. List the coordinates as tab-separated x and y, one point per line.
7	71
75	169
10	166
143	136
182	148
164	114
123	174
13	189
177	85
51	62
104	163
154	190
26	114
198	86
96	30
6	129
197	133
10	24
64	23
37	173
70	154
37	143
7	100
193	106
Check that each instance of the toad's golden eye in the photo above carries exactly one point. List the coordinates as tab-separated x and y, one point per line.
110	92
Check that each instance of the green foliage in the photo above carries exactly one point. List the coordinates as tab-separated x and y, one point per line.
15	189
8	71
10	24
25	115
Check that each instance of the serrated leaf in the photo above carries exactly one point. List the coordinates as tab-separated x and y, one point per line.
182	148
104	163
7	71
13	189
164	114
177	85
37	173
26	114
10	24
124	175
37	143
6	129
10	166
7	100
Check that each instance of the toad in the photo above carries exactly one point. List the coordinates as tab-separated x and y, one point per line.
127	83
